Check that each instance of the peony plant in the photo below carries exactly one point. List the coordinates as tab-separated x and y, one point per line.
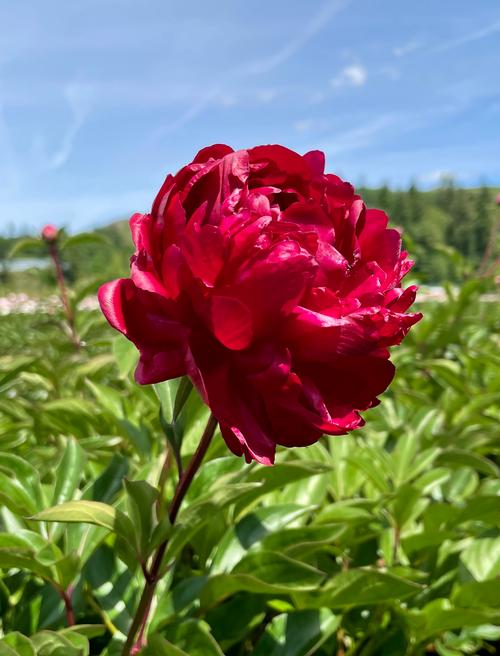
271	288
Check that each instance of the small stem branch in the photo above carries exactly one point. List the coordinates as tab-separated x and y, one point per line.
138	626
68	605
162	481
396	543
192	468
70	317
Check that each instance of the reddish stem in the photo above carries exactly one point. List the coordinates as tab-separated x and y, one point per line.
54	254
138	626
68	605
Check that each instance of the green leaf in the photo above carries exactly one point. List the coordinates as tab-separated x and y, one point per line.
20	645
105	486
24	472
21	551
27	244
84	239
249	531
166	393
15	496
361	587
159	646
89	512
68	472
193	518
295	541
125	354
141	498
192	637
440	616
138	436
277	477
49	643
297	634
108	398
371	469
407	505
477	594
461	457
262	572
482	558
480	509
351	511
15	367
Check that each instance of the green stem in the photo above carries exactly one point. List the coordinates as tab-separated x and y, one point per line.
139	622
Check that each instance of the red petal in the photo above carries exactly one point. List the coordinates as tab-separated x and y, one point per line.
231	322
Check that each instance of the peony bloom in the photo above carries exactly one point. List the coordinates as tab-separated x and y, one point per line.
273	288
49	233
497	200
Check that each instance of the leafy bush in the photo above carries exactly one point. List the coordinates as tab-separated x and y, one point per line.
382	542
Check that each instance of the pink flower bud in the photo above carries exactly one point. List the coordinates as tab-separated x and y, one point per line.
49	233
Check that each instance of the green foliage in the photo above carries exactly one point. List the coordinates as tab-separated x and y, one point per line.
435	224
386	541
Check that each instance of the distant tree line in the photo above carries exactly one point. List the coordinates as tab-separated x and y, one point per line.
433	223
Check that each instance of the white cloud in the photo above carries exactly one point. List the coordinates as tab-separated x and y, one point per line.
359	137
304	125
313	27
476	35
354	75
265	96
406	48
308	125
443	46
79	98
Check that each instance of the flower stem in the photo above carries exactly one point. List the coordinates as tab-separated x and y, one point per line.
70	317
139	622
68	605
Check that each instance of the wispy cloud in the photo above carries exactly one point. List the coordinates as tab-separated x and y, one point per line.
476	35
186	116
354	75
311	29
406	48
78	97
359	137
258	67
309	125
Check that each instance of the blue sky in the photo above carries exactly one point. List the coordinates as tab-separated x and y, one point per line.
99	99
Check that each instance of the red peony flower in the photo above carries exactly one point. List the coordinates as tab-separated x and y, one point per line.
49	233
497	200
273	288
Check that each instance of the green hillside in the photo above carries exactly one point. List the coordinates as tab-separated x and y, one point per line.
449	231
